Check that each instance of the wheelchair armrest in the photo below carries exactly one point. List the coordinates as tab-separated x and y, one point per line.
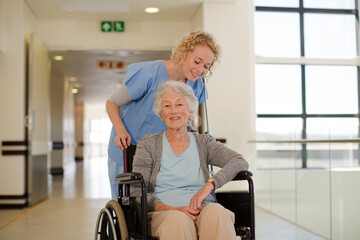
128	176
243	175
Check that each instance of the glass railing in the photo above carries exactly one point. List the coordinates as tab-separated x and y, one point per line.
312	183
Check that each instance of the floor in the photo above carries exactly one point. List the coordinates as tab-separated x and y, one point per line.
75	199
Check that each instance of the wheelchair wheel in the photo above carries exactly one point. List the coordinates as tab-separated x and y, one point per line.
118	218
111	223
105	228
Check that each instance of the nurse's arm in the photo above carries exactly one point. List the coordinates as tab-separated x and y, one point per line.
122	139
117	100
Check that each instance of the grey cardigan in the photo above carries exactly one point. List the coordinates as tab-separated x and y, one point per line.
148	155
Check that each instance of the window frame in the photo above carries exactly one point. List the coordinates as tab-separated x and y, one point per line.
303	62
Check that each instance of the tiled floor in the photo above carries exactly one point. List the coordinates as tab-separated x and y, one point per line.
75	199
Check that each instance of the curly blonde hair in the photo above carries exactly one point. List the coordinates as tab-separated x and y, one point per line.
187	45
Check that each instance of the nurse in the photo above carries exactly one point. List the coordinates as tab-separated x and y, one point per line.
130	108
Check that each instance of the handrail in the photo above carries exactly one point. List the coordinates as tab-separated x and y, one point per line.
304	141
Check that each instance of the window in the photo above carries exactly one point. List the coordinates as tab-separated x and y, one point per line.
330	36
278	89
277	34
307	74
98	138
279	128
331	90
334	4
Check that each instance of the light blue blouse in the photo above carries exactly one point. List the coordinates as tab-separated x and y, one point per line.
179	177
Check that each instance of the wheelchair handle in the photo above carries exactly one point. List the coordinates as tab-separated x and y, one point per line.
243	175
128	176
125	159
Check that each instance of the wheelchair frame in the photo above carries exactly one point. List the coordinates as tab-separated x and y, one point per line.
117	217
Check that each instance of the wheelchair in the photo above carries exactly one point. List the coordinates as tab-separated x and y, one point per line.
126	218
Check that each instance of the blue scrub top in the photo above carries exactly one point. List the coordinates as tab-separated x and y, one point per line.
142	80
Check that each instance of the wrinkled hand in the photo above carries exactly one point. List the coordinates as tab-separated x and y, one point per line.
122	140
200	196
191	213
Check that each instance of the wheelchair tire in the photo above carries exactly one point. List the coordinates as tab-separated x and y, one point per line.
105	228
118	219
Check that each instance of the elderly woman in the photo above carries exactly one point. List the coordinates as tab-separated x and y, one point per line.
174	164
130	108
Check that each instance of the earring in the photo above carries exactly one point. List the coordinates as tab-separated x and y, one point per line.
190	118
162	119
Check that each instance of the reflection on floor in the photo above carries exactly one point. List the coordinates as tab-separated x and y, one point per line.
75	199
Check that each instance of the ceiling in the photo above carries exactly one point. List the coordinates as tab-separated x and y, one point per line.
170	10
96	84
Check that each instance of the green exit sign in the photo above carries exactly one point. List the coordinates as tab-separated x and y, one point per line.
112	26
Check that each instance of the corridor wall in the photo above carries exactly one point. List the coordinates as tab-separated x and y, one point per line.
24	96
12	105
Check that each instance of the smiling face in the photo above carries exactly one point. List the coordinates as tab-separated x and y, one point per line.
198	62
175	111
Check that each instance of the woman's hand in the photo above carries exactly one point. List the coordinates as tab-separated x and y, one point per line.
191	213
122	140
200	196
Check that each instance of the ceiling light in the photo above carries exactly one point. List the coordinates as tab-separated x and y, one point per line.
74	90
152	10
58	58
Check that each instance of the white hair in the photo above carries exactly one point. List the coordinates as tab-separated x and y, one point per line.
178	87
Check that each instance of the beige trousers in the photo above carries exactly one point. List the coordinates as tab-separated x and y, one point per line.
214	222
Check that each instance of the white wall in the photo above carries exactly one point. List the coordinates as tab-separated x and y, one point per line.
12	96
29	21
2	26
12	74
17	22
86	35
56	112
231	88
39	96
197	21
68	126
79	130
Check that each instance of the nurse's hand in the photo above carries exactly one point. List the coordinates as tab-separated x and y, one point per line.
122	140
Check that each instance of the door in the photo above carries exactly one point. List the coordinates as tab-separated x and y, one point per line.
38	125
